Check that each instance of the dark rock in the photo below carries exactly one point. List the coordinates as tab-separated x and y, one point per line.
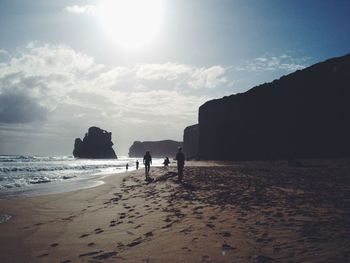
303	115
156	148
190	148
97	144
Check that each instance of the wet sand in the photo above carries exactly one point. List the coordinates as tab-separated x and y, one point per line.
222	212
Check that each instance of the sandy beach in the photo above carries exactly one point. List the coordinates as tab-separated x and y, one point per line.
223	212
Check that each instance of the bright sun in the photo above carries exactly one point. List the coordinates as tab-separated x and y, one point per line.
131	23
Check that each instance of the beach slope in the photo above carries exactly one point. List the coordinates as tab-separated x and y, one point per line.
222	212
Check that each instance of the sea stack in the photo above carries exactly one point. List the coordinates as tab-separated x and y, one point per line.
97	144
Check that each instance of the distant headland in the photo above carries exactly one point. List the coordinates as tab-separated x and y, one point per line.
157	148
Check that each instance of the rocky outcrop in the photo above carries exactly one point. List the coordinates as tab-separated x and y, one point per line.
157	148
97	144
190	147
303	115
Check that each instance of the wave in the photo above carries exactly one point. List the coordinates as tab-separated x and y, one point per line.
21	171
31	158
58	168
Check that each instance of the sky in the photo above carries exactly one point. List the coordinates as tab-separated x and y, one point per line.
141	69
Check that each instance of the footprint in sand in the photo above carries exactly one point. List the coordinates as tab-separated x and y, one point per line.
120	244
167	226
225	233
43	255
105	255
149	234
98	230
210	225
227	247
91	244
135	242
54	245
84	235
66	261
90	253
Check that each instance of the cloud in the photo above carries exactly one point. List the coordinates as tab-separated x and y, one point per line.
271	63
19	108
86	9
167	71
207	77
43	77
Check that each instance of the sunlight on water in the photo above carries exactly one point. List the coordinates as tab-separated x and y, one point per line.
20	173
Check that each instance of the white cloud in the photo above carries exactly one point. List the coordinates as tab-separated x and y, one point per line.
86	9
207	77
167	71
66	91
272	63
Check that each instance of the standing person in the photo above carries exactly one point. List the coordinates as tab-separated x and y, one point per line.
147	161
180	158
137	164
127	166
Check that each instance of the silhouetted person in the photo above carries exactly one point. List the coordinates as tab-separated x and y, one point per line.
127	166
147	161
180	158
166	162
137	164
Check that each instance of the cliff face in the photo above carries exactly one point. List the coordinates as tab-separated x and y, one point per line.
156	148
97	144
305	114
190	147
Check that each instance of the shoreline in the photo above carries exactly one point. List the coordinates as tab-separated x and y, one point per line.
222	212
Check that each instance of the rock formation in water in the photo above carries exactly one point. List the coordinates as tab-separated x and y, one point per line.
97	144
190	145
305	114
157	148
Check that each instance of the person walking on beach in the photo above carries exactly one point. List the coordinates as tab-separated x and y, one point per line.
127	166
137	164
166	161
147	161
180	158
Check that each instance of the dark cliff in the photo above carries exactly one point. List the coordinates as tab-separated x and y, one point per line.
305	114
190	145
157	148
97	144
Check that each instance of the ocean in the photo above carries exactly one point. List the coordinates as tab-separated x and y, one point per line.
23	175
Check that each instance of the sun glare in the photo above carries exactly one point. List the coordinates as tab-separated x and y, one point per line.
131	23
